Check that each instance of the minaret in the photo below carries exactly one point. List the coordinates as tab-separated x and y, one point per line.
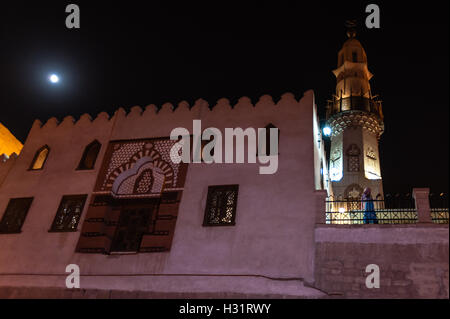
9	144
356	121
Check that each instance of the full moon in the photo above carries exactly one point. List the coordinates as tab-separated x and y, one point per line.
54	78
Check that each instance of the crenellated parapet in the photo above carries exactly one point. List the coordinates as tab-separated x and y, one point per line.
181	110
6	159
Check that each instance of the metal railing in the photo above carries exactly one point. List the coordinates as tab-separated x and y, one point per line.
438	200
439	215
353	211
439	208
356	103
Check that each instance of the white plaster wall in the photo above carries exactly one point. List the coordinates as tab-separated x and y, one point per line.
319	154
274	231
5	167
337	145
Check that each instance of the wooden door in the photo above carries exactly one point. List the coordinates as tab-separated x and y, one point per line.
134	221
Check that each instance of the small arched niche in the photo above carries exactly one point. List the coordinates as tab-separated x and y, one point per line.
40	158
89	157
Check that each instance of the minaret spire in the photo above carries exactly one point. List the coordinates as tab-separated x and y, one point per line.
351	28
356	122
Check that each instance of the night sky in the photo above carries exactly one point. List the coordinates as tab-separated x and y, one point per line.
139	53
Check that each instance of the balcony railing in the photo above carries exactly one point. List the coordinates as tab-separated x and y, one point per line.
439	208
353	212
439	215
392	210
356	103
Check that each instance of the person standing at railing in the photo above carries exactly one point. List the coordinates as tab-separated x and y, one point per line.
370	217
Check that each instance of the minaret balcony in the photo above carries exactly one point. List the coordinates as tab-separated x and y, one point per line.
354	103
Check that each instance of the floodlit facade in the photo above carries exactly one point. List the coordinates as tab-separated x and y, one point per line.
356	120
9	144
105	196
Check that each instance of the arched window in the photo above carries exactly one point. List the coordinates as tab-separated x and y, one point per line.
39	158
269	148
353	153
90	156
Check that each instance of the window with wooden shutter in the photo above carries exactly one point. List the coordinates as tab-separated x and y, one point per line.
69	213
133	223
14	216
221	205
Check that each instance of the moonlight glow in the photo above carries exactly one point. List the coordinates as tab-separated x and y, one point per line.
53	78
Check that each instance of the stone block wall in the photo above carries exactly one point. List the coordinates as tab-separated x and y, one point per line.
412	259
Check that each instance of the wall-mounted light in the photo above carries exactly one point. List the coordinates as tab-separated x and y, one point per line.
327	131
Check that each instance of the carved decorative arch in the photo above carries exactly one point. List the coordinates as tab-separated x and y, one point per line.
353	150
149	153
353	158
353	191
141	179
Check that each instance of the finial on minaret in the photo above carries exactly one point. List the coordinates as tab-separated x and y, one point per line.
351	28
